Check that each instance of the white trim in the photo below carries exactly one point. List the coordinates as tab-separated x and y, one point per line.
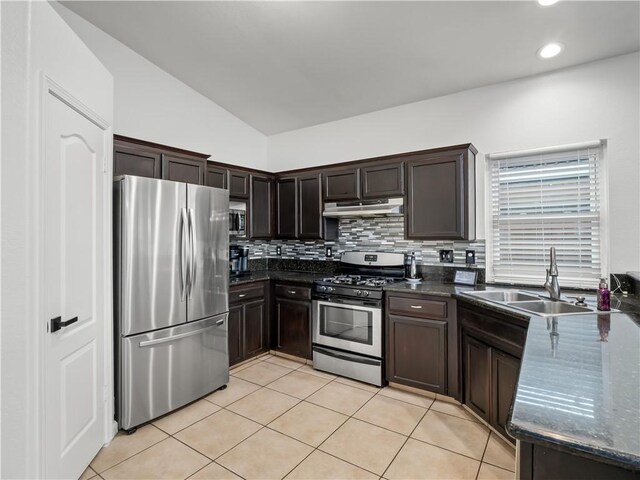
605	254
544	150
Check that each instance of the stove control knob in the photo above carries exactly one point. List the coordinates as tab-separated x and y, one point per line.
331	289
358	292
365	293
322	288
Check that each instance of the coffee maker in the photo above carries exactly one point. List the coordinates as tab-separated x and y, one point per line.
238	260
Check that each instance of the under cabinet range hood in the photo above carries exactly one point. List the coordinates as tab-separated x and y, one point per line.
371	208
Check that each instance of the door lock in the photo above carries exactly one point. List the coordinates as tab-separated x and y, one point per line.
57	323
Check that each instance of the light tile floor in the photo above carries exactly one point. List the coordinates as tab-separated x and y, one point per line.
281	419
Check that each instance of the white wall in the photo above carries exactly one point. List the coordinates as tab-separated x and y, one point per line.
34	38
152	105
594	101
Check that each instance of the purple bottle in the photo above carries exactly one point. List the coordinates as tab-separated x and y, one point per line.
604	296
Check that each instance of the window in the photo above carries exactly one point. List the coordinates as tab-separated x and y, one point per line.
542	199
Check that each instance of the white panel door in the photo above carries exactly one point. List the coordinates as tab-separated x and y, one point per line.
74	253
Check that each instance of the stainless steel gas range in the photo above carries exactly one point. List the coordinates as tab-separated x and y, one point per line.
347	315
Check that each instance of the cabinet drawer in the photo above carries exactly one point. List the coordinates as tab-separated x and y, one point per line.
293	291
246	292
418	306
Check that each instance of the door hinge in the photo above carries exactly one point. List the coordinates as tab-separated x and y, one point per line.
104	164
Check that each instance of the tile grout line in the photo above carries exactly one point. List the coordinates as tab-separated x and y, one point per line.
406	440
135	454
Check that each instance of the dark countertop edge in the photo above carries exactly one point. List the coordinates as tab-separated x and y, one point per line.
609	456
551	439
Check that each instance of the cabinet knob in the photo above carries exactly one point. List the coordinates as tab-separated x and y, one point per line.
416	306
242	295
292	292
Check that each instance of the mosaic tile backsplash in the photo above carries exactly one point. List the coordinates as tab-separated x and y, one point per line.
380	234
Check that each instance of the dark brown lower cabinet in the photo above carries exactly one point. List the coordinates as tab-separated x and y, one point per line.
421	347
504	378
293	320
477	375
417	353
539	462
491	348
248	325
235	328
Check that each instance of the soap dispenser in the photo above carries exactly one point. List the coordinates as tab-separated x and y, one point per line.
604	296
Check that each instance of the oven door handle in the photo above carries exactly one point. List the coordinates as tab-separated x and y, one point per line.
347	357
370	306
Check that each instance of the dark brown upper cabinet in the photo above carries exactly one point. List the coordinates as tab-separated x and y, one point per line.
311	223
183	169
287	208
341	185
216	177
238	184
261	207
441	195
382	181
132	159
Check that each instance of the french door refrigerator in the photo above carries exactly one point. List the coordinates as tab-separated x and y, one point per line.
171	276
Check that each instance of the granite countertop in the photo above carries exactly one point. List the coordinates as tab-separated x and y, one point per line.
306	278
579	386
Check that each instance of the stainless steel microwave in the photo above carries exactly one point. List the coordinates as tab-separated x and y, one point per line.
237	219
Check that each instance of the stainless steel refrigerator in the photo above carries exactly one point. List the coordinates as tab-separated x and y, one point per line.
171	276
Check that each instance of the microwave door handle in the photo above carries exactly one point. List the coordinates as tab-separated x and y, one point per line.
236	221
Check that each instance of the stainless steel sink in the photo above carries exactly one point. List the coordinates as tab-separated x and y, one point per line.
505	296
549	308
532	303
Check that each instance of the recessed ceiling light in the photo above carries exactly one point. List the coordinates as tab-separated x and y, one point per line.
547	3
550	50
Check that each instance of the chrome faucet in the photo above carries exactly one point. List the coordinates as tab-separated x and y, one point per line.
551	284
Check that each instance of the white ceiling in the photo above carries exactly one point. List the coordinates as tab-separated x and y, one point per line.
280	66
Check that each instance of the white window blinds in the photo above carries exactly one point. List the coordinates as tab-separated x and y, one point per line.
543	200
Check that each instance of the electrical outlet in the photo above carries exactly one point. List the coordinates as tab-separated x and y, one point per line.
470	257
328	252
278	250
446	256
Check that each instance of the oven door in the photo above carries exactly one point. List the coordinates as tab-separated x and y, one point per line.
354	328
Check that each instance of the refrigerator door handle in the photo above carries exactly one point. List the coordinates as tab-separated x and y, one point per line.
158	341
184	261
192	237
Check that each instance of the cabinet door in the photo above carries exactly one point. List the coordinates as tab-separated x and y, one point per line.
183	169
477	376
310	207
342	185
216	177
261	211
294	327
417	353
236	346
383	180
287	208
255	332
238	184
504	377
437	198
131	160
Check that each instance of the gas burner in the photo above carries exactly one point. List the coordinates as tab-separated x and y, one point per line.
359	280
